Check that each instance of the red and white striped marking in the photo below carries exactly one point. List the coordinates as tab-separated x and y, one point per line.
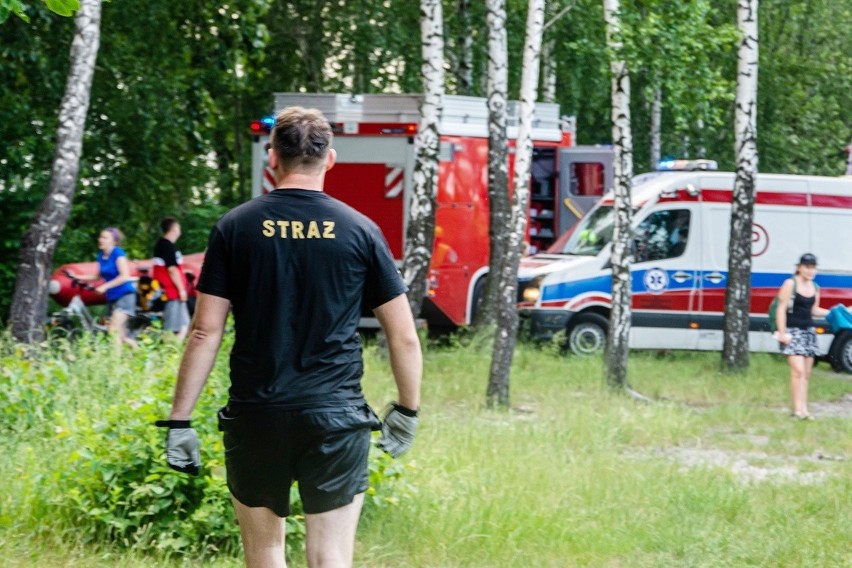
394	181
268	183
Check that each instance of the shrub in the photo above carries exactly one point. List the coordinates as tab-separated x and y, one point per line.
107	479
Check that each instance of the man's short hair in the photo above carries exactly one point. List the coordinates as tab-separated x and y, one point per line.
167	223
301	138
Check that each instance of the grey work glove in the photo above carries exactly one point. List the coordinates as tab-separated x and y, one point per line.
181	446
398	429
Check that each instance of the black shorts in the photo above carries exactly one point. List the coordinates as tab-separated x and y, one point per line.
324	449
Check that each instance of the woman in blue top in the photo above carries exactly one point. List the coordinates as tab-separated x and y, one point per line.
117	284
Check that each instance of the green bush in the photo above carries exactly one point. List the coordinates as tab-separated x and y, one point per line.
33	386
107	478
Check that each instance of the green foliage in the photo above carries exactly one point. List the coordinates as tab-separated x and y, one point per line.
166	128
63	7
94	415
8	7
30	393
805	86
119	488
571	475
18	8
682	49
166	131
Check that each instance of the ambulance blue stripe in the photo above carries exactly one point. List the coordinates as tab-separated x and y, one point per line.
569	290
775	279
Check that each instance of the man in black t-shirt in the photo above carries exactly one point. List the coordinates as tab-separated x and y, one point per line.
297	266
168	271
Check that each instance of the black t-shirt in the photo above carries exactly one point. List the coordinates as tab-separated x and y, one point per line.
297	266
166	255
167	251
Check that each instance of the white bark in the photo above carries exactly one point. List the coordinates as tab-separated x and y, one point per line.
29	303
738	291
500	213
465	65
507	315
420	233
656	120
549	58
617	348
549	88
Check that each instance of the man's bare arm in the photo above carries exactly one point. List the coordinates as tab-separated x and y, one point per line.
205	336
404	347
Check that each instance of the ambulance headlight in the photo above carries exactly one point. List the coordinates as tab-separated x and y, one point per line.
531	294
531	290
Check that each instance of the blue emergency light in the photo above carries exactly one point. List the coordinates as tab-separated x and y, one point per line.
262	126
672	165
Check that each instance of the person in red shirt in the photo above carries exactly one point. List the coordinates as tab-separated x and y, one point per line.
168	271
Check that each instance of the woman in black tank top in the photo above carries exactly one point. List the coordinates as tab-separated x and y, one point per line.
798	304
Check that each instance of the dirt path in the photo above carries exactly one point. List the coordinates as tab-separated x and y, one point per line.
750	466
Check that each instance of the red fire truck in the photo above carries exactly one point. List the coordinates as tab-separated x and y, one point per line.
374	139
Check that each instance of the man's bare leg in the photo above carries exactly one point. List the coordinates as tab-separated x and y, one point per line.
330	536
262	532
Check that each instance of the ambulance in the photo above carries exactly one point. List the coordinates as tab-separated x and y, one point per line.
679	270
374	140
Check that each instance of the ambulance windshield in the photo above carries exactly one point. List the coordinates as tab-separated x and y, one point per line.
592	234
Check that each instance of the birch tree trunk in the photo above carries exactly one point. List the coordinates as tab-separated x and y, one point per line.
549	57
617	346
464	73
500	210
506	332
738	290
29	303
549	62
420	233
656	120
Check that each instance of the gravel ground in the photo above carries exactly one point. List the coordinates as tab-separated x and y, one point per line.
754	466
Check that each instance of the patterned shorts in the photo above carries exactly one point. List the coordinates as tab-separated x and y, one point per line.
803	342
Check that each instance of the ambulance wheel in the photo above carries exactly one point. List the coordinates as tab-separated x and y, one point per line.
841	353
587	334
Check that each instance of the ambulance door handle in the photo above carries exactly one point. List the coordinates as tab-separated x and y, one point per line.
714	277
681	276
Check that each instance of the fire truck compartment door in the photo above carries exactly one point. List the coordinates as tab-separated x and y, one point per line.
585	174
373	174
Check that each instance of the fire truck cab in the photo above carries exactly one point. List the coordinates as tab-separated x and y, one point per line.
374	140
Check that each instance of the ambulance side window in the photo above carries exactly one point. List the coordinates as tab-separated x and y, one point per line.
662	235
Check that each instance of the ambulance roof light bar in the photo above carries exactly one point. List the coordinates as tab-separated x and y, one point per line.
672	165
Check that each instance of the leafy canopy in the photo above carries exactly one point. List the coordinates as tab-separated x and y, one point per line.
17	7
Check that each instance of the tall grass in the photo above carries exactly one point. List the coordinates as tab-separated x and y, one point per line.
713	473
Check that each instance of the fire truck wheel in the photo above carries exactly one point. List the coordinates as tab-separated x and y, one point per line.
841	353
587	334
478	295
